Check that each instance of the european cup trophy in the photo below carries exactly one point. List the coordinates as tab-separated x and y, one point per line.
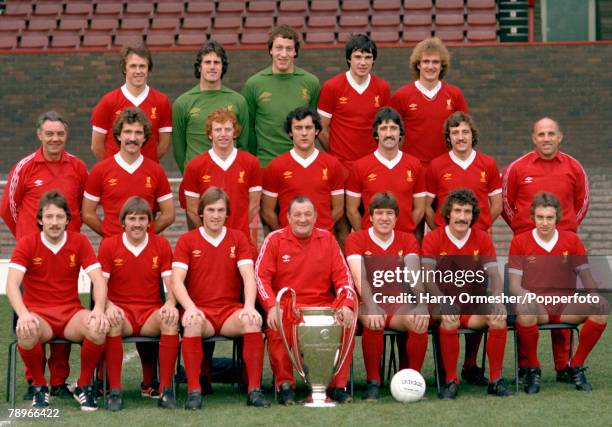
319	346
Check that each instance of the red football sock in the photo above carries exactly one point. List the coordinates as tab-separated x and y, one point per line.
113	354
253	354
529	336
32	358
90	355
589	335
496	346
372	348
168	352
192	355
472	344
59	363
148	359
342	377
416	349
449	347
560	340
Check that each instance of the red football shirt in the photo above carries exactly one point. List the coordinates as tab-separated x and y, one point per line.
213	278
33	176
402	176
474	252
310	266
318	177
479	173
547	267
113	181
351	108
52	271
239	175
366	243
134	272
424	118
155	105
525	177
379	255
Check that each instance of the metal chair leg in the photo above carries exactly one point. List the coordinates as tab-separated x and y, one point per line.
484	350
8	374
13	371
436	355
516	357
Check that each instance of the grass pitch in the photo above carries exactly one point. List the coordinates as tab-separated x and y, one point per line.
556	405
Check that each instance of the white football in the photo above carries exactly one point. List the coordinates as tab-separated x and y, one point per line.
407	386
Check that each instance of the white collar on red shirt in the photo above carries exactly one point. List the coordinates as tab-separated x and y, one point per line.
223	164
135	250
215	241
359	88
547	246
136	100
390	164
307	161
428	93
55	248
127	167
463	164
457	242
383	244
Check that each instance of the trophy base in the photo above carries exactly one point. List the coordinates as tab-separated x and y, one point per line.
319	400
320	404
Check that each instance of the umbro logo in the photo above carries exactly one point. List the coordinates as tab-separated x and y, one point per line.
38	183
286	258
528	180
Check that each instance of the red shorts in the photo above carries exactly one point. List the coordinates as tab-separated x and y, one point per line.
57	316
138	315
218	315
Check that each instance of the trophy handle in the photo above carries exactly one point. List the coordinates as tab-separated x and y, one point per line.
350	334
295	358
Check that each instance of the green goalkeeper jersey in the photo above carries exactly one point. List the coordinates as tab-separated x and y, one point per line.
270	97
189	114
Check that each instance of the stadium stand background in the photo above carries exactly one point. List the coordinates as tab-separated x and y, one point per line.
508	86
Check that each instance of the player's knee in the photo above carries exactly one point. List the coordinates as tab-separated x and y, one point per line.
602	319
95	336
168	329
193	330
527	320
27	343
448	323
115	331
496	323
249	329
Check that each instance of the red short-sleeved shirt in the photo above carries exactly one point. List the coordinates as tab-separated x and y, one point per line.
478	173
351	108
155	105
113	181
319	177
403	176
213	278
547	267
134	272
52	271
238	175
424	118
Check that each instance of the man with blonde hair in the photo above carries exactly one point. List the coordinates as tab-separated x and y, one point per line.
426	103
